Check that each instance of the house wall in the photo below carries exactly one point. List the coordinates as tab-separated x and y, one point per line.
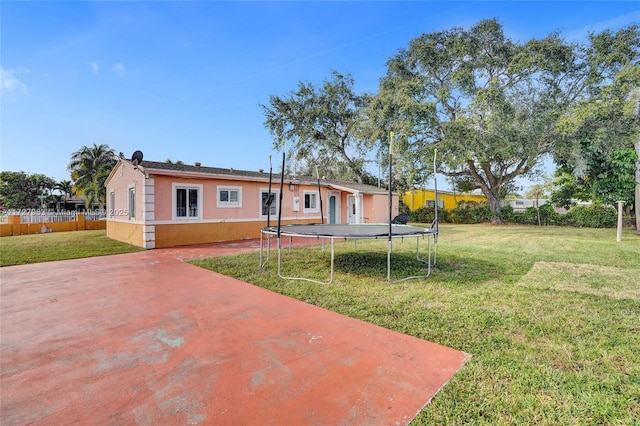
418	198
155	222
250	208
120	226
131	233
200	233
377	208
125	177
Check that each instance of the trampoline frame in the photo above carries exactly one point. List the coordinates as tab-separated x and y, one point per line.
389	234
428	233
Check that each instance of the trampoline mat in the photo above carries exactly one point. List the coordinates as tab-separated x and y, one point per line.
360	230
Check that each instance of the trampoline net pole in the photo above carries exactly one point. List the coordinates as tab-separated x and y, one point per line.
390	237
269	201
281	187
435	187
320	196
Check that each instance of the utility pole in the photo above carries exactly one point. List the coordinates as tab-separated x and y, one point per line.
637	192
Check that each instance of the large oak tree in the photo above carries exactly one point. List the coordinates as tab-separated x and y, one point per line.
489	104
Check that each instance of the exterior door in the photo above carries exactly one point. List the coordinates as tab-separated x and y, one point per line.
351	209
332	209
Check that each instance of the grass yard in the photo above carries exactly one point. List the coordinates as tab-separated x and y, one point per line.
551	316
23	249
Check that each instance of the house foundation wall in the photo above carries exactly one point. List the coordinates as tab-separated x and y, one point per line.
130	233
171	235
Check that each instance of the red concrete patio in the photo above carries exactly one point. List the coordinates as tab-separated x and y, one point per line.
147	339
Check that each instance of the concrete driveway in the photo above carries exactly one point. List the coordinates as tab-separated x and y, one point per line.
147	339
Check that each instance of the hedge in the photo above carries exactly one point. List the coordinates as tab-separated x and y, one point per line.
595	216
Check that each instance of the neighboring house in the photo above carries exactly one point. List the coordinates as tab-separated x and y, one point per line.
522	204
156	205
418	198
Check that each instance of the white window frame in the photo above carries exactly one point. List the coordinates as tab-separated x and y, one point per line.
112	203
228	204
276	195
432	203
315	195
174	201
131	206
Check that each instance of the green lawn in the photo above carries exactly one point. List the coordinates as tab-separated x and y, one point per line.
551	316
23	249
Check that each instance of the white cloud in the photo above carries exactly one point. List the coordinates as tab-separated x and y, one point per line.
118	69
94	66
10	83
612	24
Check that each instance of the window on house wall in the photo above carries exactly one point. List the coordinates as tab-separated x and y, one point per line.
265	207
432	203
112	203
187	201
132	203
229	196
310	202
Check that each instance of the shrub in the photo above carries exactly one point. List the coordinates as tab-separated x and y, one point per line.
427	215
507	214
548	216
471	213
596	216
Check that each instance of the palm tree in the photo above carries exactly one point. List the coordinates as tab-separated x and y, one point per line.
169	161
97	192
537	192
66	189
90	167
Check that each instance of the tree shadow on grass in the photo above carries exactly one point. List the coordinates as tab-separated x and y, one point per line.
448	269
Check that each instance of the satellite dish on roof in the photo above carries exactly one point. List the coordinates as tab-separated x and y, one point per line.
136	158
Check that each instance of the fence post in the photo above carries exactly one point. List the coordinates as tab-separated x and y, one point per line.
81	222
14	220
619	236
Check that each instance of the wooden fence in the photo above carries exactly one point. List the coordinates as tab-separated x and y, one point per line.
15	225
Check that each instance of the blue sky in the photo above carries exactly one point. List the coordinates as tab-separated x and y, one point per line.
184	80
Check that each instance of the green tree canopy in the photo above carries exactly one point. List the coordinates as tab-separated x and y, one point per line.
19	190
320	128
597	135
90	167
489	104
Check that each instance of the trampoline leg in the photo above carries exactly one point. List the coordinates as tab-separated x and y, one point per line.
261	238
301	278
264	258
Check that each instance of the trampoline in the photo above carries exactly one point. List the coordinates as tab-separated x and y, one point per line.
333	232
340	232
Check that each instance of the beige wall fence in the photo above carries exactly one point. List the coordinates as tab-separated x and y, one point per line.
37	221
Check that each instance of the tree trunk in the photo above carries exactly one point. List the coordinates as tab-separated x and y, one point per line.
494	206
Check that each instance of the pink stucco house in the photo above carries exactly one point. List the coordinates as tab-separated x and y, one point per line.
154	205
